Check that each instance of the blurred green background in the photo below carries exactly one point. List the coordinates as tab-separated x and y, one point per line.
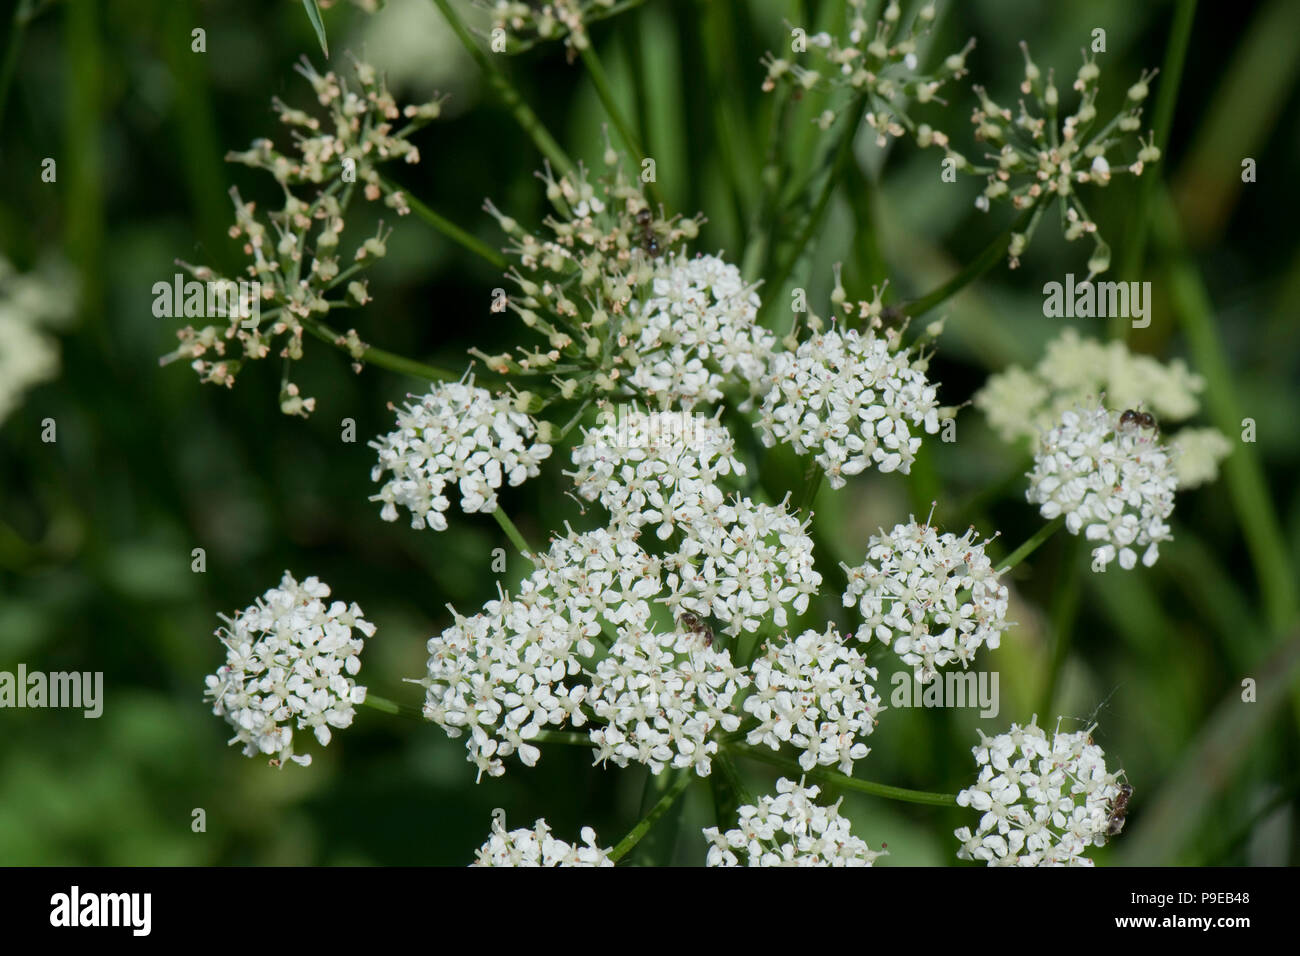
96	529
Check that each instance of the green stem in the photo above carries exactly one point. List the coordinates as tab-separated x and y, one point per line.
1065	605
625	845
766	756
981	264
386	706
512	532
1180	35
1030	546
524	115
568	737
377	356
447	227
600	80
812	483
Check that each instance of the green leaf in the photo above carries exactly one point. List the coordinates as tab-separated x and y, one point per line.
313	14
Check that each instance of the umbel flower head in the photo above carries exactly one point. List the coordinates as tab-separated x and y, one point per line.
1033	163
1112	480
811	691
537	847
1044	801
294	252
851	399
934	598
458	438
878	61
789	829
31	304
290	663
1023	403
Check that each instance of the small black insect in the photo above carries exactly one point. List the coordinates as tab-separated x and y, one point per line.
1119	810
649	238
691	623
1138	419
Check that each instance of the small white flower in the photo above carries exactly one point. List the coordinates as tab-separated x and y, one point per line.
1114	483
789	829
290	660
1042	802
537	847
851	399
934	598
697	329
812	692
458	437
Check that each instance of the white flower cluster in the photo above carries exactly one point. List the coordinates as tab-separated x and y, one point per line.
698	327
661	696
812	692
536	847
789	829
1023	403
30	304
936	597
654	468
851	399
289	657
1112	481
1044	802
458	435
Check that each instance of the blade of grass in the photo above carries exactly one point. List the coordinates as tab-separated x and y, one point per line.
313	14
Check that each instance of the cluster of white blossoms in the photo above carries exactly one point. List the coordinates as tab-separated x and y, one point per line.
290	660
661	697
1044	802
789	829
536	847
458	435
850	399
653	694
1113	481
697	329
812	692
935	598
654	468
31	304
1023	403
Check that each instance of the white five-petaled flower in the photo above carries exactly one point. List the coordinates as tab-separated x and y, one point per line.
697	328
290	660
1113	481
789	829
851	399
537	847
811	691
1043	801
935	598
457	435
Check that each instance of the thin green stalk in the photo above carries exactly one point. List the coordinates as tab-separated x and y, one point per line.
386	706
766	756
447	227
1065	606
512	532
812	483
981	264
600	80
1171	73
523	114
625	845
377	356
813	221
1032	545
